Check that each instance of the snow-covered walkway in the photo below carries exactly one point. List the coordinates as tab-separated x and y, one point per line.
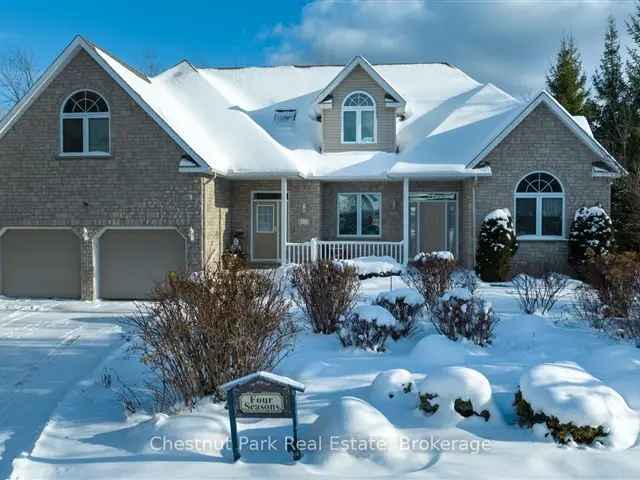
46	347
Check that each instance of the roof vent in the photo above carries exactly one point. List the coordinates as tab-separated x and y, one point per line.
284	117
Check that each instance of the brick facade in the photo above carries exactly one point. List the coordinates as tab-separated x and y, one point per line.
137	185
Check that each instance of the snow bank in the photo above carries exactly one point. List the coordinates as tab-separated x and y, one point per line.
374	313
394	387
434	350
374	266
352	427
463	383
204	434
566	391
410	296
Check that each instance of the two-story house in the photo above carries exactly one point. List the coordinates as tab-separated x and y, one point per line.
110	178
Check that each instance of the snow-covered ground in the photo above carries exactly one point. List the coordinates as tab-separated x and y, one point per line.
70	424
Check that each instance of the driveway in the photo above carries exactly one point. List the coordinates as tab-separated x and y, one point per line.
46	347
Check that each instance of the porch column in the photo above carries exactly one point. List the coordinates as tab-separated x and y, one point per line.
283	220
405	220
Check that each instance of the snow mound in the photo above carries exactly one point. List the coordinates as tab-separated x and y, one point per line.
410	296
375	313
374	266
350	427
568	392
435	350
200	434
463	383
394	387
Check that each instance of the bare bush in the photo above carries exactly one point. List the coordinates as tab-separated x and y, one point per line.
325	291
539	294
365	333
204	330
406	306
430	274
465	278
458	314
588	308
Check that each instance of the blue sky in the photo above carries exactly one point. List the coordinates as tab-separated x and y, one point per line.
509	43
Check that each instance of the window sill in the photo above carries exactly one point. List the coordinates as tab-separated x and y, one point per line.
83	156
358	237
528	238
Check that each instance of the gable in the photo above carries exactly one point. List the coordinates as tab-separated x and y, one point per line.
564	119
393	97
114	69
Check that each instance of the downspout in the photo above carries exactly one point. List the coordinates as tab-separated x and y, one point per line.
473	219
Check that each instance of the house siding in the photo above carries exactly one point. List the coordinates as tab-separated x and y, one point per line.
217	217
360	80
138	185
542	143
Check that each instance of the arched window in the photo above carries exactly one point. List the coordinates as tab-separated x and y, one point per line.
539	206
85	124
359	118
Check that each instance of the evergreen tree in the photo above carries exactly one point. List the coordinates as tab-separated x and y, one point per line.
613	119
633	80
566	79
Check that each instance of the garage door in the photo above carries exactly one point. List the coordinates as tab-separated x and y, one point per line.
132	262
40	263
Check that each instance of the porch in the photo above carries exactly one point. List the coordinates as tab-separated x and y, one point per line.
342	220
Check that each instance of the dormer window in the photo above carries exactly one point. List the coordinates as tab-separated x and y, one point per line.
85	125
359	119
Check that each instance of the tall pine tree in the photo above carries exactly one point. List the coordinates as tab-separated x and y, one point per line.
567	81
633	81
613	116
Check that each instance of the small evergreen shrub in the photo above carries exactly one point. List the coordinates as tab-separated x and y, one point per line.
462	407
496	246
591	236
325	291
368	327
405	305
561	432
431	274
459	314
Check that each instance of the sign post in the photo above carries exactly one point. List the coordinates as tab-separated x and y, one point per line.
262	395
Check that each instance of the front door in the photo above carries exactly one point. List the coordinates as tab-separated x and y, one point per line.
433	223
432	227
266	231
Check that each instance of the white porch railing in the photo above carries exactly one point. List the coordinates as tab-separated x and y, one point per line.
341	250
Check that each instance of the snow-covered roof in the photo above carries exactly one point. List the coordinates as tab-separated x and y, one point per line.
268	376
226	118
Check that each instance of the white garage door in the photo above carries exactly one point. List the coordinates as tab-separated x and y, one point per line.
133	262
40	263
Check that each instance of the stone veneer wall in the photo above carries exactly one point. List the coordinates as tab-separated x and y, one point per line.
137	185
542	143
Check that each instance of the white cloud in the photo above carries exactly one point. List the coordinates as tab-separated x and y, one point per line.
509	43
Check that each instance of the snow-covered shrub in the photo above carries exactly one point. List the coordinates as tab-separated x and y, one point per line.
394	387
575	406
462	390
436	350
368	327
370	267
458	314
465	278
591	235
539	294
405	304
430	274
325	291
496	246
356	429
205	330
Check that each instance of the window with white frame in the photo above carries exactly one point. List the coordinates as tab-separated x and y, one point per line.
265	219
359	119
85	124
539	207
359	214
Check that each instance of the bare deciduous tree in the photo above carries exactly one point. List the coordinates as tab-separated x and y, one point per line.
17	75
